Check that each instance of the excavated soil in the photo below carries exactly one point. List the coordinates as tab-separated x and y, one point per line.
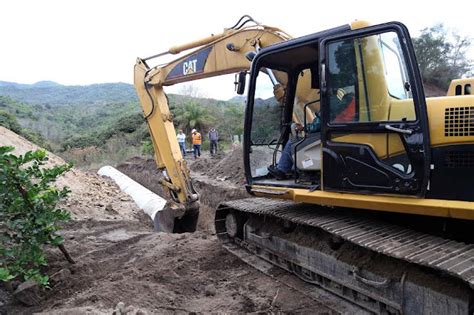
222	167
122	265
206	173
158	273
92	196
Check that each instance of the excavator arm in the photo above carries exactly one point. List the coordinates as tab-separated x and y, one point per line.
212	56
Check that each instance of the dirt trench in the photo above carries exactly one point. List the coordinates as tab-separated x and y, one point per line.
208	177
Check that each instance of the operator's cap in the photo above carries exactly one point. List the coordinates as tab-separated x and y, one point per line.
193	131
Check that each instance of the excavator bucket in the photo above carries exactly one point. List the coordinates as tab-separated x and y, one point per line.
167	216
167	221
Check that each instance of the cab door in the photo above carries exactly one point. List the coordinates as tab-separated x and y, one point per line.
375	133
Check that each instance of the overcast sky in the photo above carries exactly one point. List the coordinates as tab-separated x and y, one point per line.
96	41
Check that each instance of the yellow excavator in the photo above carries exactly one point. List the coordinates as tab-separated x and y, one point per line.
376	205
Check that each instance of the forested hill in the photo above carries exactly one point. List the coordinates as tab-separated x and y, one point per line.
103	122
54	94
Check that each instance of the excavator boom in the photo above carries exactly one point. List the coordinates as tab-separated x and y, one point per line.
214	55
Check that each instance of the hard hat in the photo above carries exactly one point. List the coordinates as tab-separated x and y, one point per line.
193	131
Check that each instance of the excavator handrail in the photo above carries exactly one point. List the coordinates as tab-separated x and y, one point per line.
207	42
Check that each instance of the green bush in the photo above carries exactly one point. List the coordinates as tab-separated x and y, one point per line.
29	217
9	121
129	124
147	148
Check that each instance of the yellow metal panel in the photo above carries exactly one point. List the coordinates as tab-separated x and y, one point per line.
305	94
395	145
359	24
363	110
462	83
403	204
436	116
379	100
400	109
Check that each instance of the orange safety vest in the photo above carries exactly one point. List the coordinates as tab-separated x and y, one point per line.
348	114
196	138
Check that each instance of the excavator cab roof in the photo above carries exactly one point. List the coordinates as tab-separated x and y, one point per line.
286	55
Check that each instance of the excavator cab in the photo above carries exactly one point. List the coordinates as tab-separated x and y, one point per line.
359	96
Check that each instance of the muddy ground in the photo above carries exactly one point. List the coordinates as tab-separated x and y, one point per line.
122	265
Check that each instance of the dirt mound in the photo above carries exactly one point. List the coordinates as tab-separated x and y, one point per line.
9	138
224	167
92	196
145	172
432	90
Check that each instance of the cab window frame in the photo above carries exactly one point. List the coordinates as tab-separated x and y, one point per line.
411	75
400	66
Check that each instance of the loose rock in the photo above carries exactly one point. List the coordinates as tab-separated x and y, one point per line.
29	293
210	290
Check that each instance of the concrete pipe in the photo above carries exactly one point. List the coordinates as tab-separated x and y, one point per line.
145	199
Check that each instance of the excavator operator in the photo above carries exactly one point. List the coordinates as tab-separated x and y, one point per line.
345	106
285	163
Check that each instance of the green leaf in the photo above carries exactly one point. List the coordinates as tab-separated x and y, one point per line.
29	213
6	149
5	275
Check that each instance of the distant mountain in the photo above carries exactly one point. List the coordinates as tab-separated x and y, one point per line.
80	116
269	102
238	99
39	84
44	84
12	84
55	94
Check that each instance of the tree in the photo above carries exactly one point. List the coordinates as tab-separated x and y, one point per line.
442	55
233	121
191	90
9	121
29	216
192	115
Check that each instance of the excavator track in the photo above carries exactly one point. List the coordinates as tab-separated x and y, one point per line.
382	267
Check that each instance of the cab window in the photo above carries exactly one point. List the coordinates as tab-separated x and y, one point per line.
367	80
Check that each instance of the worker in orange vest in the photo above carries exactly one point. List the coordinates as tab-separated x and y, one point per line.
197	141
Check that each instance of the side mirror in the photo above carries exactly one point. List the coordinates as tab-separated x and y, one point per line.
240	80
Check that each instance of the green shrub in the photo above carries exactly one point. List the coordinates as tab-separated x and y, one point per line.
9	121
29	217
147	148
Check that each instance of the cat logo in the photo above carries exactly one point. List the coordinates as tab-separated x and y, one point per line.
189	67
192	65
